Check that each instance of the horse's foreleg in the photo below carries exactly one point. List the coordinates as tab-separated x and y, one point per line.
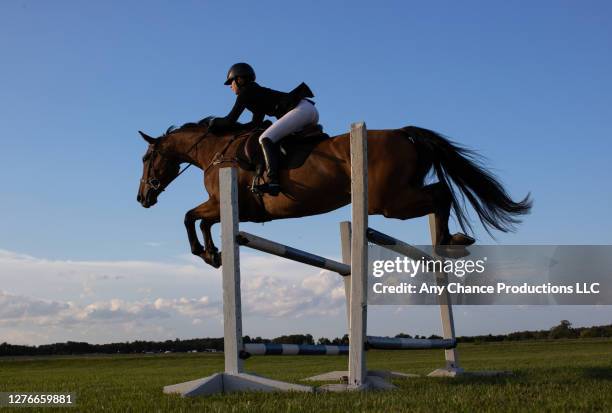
211	253
208	212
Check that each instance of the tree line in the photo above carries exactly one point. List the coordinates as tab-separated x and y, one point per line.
562	331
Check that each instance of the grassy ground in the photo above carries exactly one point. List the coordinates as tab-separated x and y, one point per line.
571	375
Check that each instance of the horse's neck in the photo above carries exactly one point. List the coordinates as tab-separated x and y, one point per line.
195	147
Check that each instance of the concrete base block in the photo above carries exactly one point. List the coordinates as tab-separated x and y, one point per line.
459	372
343	375
371	383
338	375
227	383
447	372
385	374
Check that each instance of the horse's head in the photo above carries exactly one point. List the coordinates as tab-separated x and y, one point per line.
159	169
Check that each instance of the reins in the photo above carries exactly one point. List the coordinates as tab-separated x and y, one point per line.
187	153
217	159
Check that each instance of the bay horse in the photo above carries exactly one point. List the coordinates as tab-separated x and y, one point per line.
398	162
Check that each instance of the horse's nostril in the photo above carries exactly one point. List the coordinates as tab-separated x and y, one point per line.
138	198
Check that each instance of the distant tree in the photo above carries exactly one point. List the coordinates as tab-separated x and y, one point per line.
563	330
294	339
590	333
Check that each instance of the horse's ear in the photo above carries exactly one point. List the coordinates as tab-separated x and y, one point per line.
151	140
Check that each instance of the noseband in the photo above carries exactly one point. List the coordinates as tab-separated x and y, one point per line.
152	182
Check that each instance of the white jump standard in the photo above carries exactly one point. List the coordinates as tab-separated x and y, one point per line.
233	378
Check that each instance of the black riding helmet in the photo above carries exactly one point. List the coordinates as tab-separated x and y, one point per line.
240	70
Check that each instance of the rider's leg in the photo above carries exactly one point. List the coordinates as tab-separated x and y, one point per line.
270	151
296	119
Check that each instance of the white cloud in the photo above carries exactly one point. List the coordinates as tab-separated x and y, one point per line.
262	295
86	281
99	300
279	297
190	307
18	310
13	307
44	301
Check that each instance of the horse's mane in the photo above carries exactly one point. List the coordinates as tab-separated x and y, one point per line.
186	127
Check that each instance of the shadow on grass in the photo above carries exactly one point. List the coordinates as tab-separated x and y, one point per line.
515	376
598	373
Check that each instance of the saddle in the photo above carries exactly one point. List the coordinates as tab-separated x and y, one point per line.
294	149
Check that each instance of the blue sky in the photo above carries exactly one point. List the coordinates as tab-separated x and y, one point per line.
525	83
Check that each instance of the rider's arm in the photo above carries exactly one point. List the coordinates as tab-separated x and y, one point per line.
237	110
229	122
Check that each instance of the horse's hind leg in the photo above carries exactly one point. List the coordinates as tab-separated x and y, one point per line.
418	202
442	208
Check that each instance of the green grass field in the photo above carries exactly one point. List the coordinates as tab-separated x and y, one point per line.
554	376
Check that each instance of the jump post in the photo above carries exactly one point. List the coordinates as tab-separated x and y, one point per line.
354	270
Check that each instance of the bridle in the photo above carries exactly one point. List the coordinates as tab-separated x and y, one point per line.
217	159
155	183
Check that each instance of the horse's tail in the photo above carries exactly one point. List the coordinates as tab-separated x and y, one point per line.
464	167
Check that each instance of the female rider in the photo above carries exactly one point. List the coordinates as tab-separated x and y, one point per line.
293	110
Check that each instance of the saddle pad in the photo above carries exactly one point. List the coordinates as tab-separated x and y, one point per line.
294	149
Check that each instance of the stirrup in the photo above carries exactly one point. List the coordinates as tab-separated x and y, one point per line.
272	189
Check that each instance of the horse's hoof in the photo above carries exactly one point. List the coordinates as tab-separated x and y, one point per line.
216	259
211	258
461	239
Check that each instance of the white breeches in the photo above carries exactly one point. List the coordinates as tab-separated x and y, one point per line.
296	119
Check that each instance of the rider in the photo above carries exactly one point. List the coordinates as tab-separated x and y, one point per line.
293	111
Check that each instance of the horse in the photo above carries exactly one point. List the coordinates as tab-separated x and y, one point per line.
399	160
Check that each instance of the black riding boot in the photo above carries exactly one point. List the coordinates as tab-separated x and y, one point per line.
270	151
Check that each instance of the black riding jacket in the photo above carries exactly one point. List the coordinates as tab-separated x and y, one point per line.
262	101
